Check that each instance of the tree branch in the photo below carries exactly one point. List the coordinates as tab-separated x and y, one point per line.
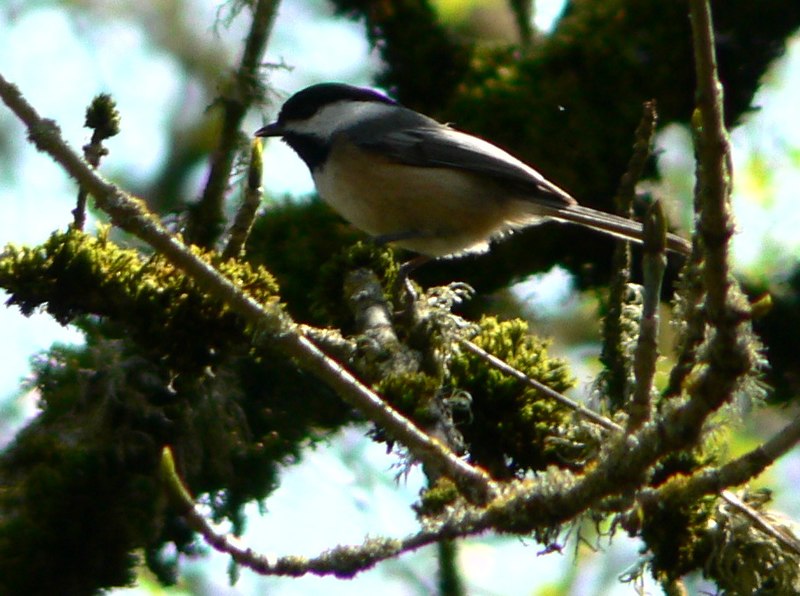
747	466
102	117
613	356
762	523
243	222
206	218
729	355
646	353
716	481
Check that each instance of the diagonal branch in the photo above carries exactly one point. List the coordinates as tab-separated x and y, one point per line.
523	505
541	387
715	481
762	523
747	466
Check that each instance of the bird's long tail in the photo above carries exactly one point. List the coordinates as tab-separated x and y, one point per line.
614	225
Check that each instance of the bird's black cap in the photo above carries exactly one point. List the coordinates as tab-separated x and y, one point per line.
307	102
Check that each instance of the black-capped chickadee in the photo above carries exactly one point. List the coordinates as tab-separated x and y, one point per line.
426	187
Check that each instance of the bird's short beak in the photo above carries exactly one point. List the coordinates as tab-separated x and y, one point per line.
270	130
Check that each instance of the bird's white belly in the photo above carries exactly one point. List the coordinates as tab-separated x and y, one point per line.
436	211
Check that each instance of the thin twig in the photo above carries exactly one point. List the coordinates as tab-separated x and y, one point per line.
713	152
646	354
243	222
613	356
103	118
542	388
693	331
747	466
341	561
714	481
691	292
225	543
206	219
790	542
642	147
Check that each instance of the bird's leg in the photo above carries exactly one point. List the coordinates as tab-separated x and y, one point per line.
404	286
409	266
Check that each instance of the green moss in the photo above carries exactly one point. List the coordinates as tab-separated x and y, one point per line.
327	291
514	429
674	530
413	394
80	491
163	364
74	274
746	560
435	500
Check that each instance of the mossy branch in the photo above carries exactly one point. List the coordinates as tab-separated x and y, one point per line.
747	466
729	353
524	504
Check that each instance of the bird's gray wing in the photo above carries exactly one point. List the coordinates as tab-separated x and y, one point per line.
429	144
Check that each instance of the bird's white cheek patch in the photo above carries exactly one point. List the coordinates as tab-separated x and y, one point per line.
336	117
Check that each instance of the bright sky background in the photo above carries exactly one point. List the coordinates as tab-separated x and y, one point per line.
46	55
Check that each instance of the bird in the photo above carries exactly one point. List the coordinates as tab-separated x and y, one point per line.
409	180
